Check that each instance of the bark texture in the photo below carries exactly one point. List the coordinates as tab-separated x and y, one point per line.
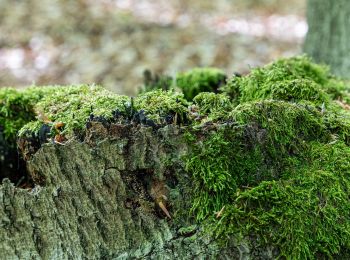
328	38
96	199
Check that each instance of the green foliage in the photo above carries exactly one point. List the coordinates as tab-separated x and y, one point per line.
13	112
16	109
285	123
338	90
279	176
73	105
200	80
235	155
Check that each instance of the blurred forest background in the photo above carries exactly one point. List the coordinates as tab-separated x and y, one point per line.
112	42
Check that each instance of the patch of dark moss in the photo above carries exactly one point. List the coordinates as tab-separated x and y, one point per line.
155	81
16	109
200	80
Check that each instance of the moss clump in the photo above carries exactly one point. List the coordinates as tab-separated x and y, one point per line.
279	175
17	108
291	72
163	106
15	111
305	213
210	106
290	90
277	165
200	80
235	155
73	105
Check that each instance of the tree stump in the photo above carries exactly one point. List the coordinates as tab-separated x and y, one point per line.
257	171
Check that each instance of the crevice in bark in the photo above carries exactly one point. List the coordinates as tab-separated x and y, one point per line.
12	165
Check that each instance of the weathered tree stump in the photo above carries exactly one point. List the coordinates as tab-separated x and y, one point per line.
257	171
98	199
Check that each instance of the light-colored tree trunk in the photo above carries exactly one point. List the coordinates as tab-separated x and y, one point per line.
328	38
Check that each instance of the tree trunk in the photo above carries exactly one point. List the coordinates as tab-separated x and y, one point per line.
97	200
328	38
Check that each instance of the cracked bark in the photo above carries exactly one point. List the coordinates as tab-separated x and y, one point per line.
96	199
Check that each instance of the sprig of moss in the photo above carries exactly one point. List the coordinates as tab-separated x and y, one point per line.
158	104
212	106
200	80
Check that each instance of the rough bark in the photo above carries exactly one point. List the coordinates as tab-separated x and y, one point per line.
328	38
96	199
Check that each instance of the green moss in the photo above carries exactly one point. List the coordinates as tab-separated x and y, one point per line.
279	176
200	80
72	105
271	154
297	72
235	155
16	109
338	90
277	166
285	123
306	213
159	104
212	106
289	90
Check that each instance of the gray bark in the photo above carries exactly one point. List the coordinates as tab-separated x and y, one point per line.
328	38
96	199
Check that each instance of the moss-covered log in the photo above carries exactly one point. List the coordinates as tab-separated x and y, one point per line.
258	171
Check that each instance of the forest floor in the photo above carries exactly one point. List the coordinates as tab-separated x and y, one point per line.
112	42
